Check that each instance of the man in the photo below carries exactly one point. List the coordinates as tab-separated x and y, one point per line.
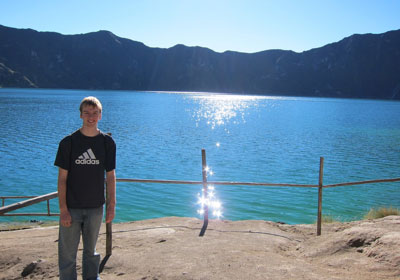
83	157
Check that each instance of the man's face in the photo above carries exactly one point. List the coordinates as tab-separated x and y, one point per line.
90	115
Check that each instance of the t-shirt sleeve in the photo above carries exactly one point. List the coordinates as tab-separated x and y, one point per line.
111	150
64	154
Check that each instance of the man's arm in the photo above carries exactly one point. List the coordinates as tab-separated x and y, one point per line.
65	217
111	200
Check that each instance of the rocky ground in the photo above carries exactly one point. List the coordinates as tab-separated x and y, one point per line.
170	248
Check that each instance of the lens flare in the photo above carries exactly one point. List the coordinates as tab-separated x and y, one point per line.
217	213
209	200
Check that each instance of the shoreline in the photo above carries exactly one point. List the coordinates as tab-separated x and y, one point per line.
33	223
183	92
170	248
21	225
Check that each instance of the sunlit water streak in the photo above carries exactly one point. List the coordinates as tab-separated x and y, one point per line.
208	199
247	138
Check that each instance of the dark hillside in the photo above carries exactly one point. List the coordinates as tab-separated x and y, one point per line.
359	66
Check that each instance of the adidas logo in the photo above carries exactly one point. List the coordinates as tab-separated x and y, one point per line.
87	157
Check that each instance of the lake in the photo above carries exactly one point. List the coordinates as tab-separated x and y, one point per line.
247	138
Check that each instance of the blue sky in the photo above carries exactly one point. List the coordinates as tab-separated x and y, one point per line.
238	25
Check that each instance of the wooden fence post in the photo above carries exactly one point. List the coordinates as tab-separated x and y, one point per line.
108	235
48	207
108	240
320	187
108	225
204	172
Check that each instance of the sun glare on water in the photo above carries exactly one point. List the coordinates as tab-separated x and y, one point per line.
219	110
209	200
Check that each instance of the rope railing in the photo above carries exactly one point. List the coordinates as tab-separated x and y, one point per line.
177	182
320	187
36	199
363	182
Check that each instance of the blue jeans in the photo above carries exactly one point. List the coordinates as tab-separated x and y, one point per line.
87	221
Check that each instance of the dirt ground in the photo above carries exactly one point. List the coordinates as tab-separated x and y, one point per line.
170	248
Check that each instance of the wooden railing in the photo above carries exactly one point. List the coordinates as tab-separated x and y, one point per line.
33	200
205	183
3	198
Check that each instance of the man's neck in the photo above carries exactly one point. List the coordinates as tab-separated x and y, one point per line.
88	131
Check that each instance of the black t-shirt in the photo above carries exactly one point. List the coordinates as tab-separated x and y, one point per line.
86	159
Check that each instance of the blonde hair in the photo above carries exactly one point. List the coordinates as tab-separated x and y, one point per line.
91	101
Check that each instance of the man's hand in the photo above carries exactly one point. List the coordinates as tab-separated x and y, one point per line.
111	201
110	214
65	218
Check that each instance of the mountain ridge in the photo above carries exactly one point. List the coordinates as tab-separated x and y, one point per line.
358	66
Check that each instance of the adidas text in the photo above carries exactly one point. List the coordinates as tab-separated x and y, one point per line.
87	161
87	157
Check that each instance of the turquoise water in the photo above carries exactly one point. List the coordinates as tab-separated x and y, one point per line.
246	138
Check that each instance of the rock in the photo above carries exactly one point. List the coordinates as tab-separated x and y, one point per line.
386	249
29	269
